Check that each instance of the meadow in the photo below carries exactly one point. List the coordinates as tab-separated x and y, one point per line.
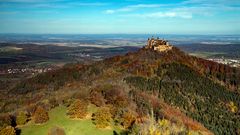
58	118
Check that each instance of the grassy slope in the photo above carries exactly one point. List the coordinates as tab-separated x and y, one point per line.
72	127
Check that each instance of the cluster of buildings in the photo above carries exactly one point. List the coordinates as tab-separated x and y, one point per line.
79	55
230	62
158	45
25	70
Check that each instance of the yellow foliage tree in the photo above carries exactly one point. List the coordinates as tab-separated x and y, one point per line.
233	107
21	118
102	117
9	130
78	109
128	119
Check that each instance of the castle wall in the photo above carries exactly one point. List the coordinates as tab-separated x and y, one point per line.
162	48
158	45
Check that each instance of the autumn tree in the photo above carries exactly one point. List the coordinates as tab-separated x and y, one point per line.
9	130
102	117
78	109
97	98
233	108
41	115
128	119
117	97
21	118
30	109
5	120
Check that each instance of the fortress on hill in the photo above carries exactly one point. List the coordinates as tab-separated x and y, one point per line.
158	45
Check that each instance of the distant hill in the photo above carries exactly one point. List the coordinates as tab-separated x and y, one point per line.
174	85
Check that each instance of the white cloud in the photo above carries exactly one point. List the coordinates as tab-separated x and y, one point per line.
67	5
88	3
205	11
144	6
168	14
208	6
29	1
185	9
214	2
109	11
132	8
48	4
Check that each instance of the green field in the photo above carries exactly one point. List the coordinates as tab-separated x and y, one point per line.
206	54
72	127
10	49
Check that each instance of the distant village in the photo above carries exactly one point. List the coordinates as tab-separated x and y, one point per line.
227	61
32	71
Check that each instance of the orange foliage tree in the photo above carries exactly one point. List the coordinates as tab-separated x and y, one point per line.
41	115
128	119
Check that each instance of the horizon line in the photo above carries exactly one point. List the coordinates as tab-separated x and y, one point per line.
216	34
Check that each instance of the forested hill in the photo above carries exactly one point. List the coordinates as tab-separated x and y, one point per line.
201	94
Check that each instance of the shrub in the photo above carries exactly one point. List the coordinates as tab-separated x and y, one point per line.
233	108
40	115
165	127
5	120
97	98
21	118
81	94
68	102
56	131
117	97
9	130
31	109
102	117
128	119
53	102
78	109
45	104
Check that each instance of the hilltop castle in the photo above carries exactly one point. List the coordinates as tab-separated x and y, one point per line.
158	45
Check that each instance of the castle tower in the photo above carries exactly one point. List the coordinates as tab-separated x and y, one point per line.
167	43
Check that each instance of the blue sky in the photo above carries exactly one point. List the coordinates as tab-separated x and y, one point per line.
120	16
